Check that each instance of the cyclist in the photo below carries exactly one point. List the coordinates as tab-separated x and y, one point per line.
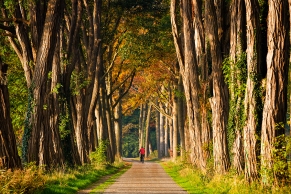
142	152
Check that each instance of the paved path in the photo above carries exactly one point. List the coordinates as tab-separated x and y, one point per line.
148	177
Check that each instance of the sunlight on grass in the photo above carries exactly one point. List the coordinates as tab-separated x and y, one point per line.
193	181
72	180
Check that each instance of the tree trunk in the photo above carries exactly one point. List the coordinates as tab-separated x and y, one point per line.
42	141
274	112
181	118
166	150
147	131
158	133
236	82
189	70
251	105
219	99
204	79
118	129
175	127
162	133
9	158
142	118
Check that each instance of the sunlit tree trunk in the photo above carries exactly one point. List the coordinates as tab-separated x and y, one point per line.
203	78
158	133
162	133
185	50
41	145
118	128
147	131
175	122
274	112
166	151
219	99
142	117
251	105
237	46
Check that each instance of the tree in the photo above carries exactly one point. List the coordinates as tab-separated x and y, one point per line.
219	100
9	158
274	112
252	89
237	82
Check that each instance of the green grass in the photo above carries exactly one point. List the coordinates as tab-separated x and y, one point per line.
194	181
73	180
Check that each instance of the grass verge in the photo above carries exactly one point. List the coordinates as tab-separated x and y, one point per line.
193	181
72	180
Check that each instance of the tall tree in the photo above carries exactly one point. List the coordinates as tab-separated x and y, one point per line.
237	81
219	100
274	112
185	50
251	97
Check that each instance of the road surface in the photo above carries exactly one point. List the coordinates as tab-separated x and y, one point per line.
147	177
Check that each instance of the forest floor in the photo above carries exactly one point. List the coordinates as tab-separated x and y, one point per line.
147	177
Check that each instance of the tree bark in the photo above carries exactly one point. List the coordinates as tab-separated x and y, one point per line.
274	112
162	133
175	121
118	129
147	131
41	143
158	133
181	119
251	105
236	82
9	158
219	99
185	50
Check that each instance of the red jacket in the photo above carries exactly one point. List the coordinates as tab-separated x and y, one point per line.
142	151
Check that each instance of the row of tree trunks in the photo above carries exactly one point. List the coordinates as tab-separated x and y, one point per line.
185	49
41	146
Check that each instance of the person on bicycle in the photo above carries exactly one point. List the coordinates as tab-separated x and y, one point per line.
142	153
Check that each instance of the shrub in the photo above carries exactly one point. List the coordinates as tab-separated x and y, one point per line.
28	180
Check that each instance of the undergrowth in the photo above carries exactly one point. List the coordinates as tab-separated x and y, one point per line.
28	180
33	179
72	180
194	181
